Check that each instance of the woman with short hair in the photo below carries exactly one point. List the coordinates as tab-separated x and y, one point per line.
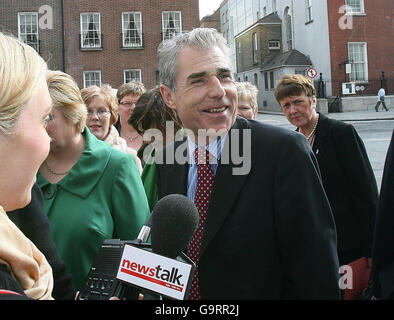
102	115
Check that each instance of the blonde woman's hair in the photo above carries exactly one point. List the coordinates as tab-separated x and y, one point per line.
248	91
133	88
66	98
106	93
22	72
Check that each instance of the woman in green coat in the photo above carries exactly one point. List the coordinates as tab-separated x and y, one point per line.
92	192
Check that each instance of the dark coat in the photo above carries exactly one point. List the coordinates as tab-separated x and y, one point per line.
350	186
383	246
269	234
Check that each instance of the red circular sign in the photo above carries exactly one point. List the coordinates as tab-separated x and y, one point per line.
312	73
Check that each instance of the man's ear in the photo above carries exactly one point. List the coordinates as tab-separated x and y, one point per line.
167	95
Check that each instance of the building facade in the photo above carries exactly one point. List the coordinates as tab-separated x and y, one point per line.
116	41
38	23
99	41
348	43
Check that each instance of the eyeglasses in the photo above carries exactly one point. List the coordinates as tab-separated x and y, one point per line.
47	119
99	113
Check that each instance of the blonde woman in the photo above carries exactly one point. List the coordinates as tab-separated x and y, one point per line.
92	192
128	95
247	100
102	115
25	107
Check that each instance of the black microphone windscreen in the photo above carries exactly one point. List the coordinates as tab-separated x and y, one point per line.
174	221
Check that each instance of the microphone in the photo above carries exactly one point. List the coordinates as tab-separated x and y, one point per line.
124	268
174	221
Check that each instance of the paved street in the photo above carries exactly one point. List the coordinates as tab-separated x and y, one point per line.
374	128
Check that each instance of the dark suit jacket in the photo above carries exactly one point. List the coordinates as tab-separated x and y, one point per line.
269	234
350	186
383	245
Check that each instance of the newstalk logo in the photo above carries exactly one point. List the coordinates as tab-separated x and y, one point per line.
156	275
154	272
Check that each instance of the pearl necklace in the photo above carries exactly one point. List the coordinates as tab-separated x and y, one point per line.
314	128
131	138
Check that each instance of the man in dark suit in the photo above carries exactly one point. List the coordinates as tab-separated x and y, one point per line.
347	175
268	230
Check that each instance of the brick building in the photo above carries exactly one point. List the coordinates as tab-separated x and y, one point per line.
38	23
116	41
361	36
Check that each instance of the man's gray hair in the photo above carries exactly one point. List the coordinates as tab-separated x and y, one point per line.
199	38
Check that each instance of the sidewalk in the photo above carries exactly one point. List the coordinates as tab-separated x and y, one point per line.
344	116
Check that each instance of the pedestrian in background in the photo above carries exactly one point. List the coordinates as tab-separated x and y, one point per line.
381	98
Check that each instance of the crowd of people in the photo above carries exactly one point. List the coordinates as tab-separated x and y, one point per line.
79	166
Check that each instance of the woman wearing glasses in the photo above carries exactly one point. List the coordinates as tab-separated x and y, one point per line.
128	95
92	192
102	115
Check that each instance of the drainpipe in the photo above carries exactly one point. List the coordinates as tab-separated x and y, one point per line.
63	46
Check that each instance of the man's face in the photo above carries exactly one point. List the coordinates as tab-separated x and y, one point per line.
206	95
298	110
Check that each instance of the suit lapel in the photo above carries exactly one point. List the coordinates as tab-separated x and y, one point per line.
226	186
320	144
174	177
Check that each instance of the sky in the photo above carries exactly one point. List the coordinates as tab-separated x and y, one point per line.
208	7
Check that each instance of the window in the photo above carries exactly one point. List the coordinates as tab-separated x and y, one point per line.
355	6
274	45
256	80
171	24
132	74
91	78
272	82
309	16
288	26
273	5
28	29
357	55
266	81
90	31
131	29
255	48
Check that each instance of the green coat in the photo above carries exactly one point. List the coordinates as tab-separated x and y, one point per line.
101	198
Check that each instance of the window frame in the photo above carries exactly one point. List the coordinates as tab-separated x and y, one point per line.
353	78
99	34
139	30
21	36
91	71
255	47
270	42
164	30
309	10
132	70
351	12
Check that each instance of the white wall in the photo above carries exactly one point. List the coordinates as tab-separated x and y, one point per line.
311	39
